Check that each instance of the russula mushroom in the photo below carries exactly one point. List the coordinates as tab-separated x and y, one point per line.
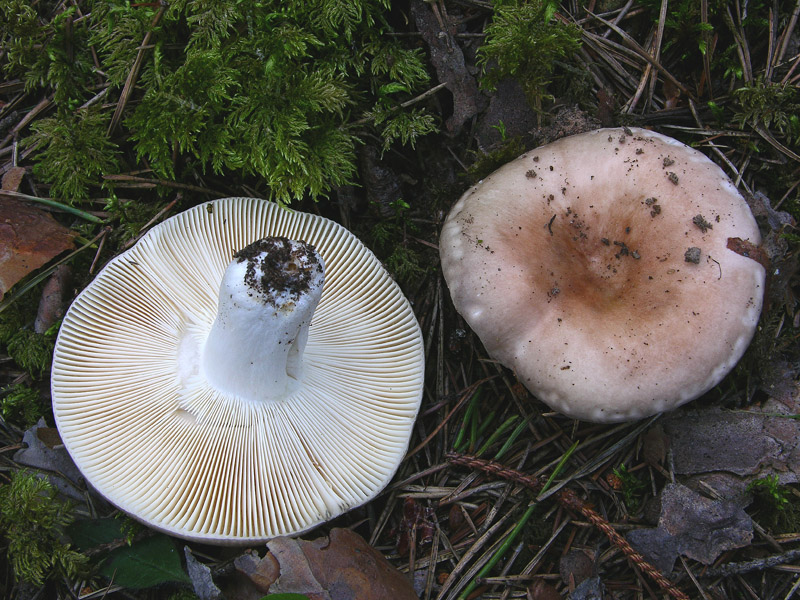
598	268
195	392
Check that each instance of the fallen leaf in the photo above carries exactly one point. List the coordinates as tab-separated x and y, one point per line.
29	238
200	576
146	562
590	589
541	590
416	525
12	179
707	440
44	451
575	567
262	573
659	547
341	566
694	526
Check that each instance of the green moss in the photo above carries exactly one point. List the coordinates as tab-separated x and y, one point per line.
772	505
30	350
486	163
21	405
524	41
33	521
73	152
279	91
632	488
772	106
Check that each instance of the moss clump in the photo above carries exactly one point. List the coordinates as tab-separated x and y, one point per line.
30	350
21	405
771	106
73	151
524	41
282	91
33	521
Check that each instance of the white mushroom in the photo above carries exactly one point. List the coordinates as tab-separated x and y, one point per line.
598	268
252	421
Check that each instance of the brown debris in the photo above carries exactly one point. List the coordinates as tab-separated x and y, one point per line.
450	65
29	238
749	250
339	566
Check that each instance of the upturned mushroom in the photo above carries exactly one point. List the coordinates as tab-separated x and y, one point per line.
243	372
609	270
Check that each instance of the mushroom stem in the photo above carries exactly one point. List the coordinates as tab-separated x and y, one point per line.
267	297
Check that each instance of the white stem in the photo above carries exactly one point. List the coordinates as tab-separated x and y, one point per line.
267	297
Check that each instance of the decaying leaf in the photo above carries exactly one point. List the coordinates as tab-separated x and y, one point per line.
707	440
692	525
12	178
200	575
416	527
29	238
341	566
448	61
44	451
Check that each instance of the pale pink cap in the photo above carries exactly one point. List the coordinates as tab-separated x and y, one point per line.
597	267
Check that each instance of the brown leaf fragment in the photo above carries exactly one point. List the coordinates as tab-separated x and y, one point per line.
416	525
541	590
262	573
575	567
749	250
654	446
51	305
29	238
341	566
12	179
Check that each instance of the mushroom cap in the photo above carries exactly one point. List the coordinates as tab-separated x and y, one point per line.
571	265
152	436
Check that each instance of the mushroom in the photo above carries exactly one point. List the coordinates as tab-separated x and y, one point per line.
598	268
195	392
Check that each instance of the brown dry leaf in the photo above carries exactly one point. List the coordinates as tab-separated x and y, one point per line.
29	238
341	566
541	590
12	179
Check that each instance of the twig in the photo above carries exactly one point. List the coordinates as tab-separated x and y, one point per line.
787	34
53	204
758	564
133	74
570	500
633	45
164	182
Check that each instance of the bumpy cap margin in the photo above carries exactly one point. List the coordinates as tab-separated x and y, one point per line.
155	439
599	268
